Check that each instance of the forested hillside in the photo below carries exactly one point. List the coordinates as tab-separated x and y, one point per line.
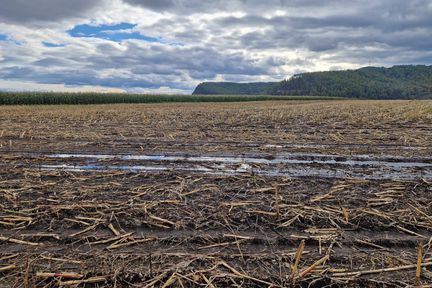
398	82
229	88
368	82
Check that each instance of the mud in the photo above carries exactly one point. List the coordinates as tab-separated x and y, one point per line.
272	165
216	195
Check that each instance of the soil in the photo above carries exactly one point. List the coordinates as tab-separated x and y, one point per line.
225	221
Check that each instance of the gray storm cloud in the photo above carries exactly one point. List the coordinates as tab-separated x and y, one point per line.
244	40
23	11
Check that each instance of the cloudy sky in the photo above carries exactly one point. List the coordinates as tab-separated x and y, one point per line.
169	46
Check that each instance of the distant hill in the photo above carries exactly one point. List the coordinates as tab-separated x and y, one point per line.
398	82
230	88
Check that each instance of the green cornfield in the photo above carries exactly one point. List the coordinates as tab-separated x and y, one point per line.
53	98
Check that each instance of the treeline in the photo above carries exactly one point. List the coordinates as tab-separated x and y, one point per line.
398	82
230	88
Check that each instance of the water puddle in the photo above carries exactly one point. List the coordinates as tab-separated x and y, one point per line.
220	170
295	158
286	165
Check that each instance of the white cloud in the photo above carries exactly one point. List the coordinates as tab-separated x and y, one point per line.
236	40
31	86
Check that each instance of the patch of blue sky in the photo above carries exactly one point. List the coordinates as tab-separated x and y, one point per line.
52	45
117	32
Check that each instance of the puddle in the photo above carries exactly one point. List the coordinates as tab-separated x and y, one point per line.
295	158
279	165
286	165
376	174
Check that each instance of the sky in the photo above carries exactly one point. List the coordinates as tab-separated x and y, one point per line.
170	46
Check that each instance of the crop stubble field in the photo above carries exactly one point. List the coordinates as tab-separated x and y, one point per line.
269	194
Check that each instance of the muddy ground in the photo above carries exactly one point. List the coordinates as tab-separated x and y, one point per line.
334	194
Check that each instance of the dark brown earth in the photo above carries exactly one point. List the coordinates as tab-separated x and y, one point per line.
123	228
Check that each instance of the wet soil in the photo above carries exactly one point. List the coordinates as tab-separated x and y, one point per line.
216	195
193	224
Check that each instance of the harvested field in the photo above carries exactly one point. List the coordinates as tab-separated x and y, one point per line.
271	194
